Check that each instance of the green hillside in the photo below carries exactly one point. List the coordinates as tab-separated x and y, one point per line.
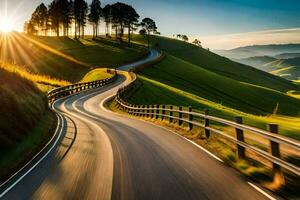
65	58
193	76
25	119
256	61
285	68
218	64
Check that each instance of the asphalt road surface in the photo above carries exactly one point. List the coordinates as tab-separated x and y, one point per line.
103	155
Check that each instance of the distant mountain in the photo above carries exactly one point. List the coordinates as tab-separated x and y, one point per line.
287	55
256	61
260	50
285	68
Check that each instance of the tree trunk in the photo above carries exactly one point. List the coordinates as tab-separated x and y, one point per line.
75	31
148	40
57	29
129	35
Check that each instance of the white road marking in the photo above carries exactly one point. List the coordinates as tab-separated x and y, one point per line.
39	161
261	191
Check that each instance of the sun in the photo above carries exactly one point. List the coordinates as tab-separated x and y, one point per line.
6	26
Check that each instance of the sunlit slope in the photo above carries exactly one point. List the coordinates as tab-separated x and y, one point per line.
220	89
63	58
285	68
218	64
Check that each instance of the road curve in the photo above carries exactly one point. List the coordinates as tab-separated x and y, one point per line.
103	155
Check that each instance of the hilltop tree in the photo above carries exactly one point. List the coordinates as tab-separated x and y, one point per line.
185	38
66	7
107	18
150	27
131	20
94	16
55	16
197	43
39	18
80	14
118	18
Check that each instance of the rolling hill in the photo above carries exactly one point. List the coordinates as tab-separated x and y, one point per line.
190	75
64	58
285	68
260	50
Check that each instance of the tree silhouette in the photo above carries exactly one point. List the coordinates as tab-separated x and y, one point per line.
55	13
197	43
80	14
107	18
66	9
131	20
118	18
185	38
142	32
39	19
94	16
150	27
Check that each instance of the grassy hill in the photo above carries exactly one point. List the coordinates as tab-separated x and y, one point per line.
285	68
25	119
260	50
256	61
64	58
194	76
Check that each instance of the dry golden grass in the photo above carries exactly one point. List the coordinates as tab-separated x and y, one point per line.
43	82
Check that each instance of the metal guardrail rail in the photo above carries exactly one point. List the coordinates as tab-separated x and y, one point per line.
156	111
75	88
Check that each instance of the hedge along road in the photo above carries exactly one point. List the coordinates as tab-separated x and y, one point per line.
104	155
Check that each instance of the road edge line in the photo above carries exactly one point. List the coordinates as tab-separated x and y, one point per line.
261	191
57	135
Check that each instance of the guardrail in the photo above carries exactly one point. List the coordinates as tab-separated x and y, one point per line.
75	88
189	116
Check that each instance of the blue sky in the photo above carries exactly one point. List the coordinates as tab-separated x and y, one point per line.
198	18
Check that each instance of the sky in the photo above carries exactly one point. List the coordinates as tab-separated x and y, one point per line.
219	24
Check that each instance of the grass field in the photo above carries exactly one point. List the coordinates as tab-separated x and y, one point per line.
226	88
64	58
96	74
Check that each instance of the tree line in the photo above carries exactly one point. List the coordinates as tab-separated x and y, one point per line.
66	17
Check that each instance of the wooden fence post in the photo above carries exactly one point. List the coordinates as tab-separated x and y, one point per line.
206	123
157	112
163	112
275	151
190	118
148	111
152	111
240	137
180	116
171	114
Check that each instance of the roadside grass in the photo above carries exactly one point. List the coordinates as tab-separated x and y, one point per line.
96	74
43	82
10	160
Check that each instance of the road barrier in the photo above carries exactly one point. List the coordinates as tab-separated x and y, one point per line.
60	92
188	116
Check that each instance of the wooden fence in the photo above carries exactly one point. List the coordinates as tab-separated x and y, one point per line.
75	88
193	119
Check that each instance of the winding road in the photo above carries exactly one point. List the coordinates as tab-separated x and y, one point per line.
98	154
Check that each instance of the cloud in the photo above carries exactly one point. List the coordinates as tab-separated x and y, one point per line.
277	36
